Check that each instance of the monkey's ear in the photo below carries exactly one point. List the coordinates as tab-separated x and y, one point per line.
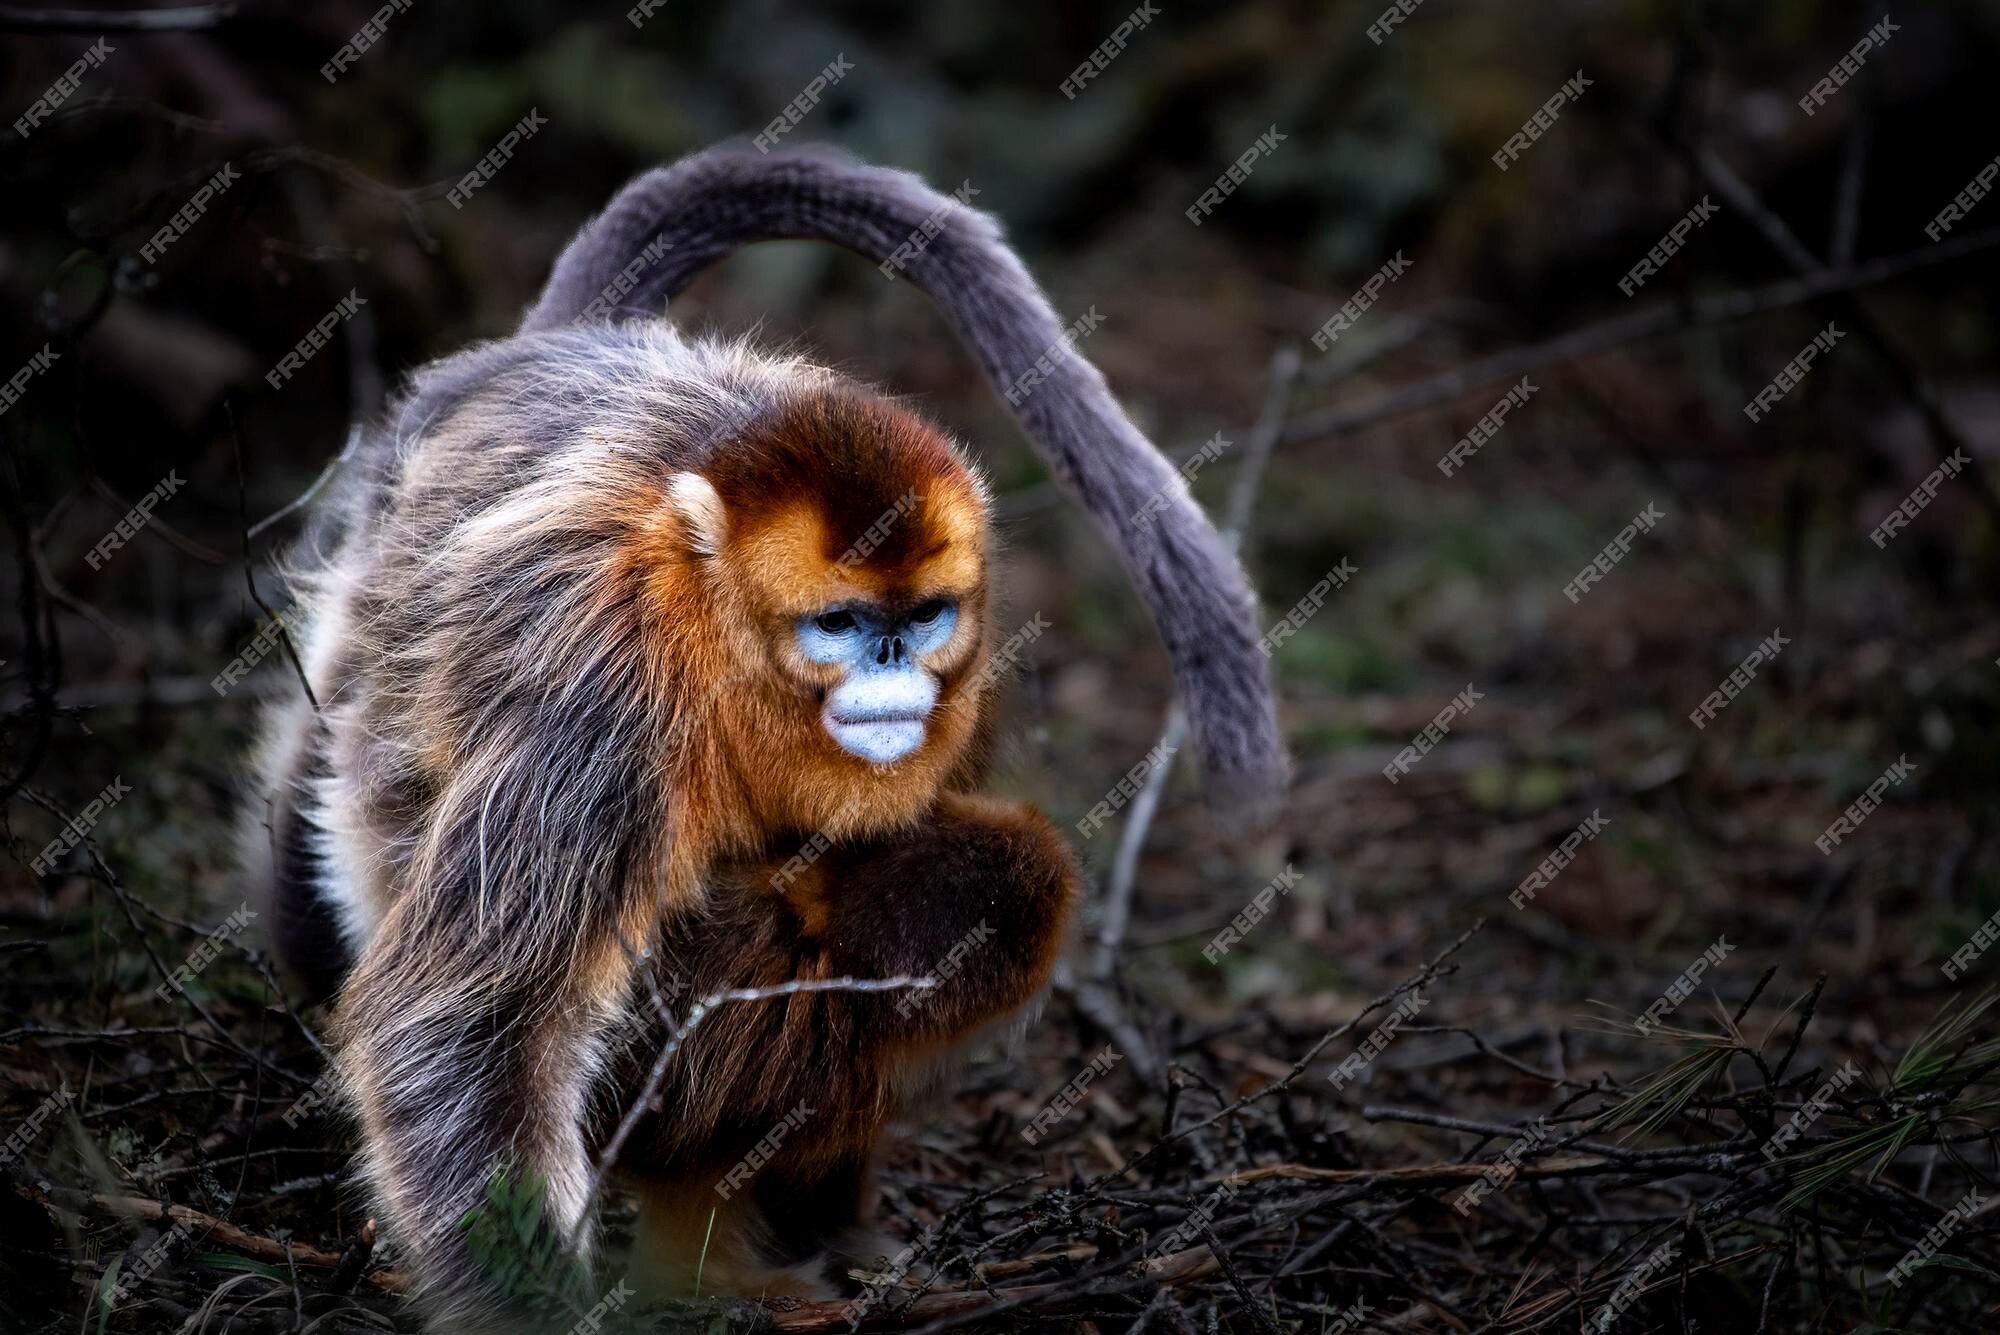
693	498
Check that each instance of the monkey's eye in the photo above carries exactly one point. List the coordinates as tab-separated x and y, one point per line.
835	622
930	611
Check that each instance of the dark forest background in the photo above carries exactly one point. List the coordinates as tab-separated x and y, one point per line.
1329	1208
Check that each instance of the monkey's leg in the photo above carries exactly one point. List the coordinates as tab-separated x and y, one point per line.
773	1234
781	1104
470	1034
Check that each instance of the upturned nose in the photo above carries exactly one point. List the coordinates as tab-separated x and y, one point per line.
890	650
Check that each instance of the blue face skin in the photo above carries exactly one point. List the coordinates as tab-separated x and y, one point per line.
877	711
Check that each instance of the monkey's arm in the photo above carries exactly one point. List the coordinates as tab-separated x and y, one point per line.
977	896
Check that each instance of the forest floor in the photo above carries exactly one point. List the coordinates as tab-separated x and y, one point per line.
1408	1094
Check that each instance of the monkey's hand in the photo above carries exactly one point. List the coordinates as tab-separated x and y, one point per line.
976	896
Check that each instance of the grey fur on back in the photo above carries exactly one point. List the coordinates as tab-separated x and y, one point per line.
711	204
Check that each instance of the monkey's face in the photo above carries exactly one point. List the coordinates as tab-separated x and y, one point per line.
840	553
871	605
880	708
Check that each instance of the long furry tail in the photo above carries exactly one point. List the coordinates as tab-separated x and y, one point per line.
672	222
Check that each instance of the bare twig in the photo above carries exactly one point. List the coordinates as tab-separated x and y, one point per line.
1909	377
1262	440
326	475
250	563
159	527
1641	326
649	1095
189	18
1298	1067
1847	203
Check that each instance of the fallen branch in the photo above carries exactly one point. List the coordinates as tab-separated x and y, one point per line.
211	1228
1183	1267
1444	1174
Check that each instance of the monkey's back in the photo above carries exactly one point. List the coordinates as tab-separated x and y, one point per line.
467	617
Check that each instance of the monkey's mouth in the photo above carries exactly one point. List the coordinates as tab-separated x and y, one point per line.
879	739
